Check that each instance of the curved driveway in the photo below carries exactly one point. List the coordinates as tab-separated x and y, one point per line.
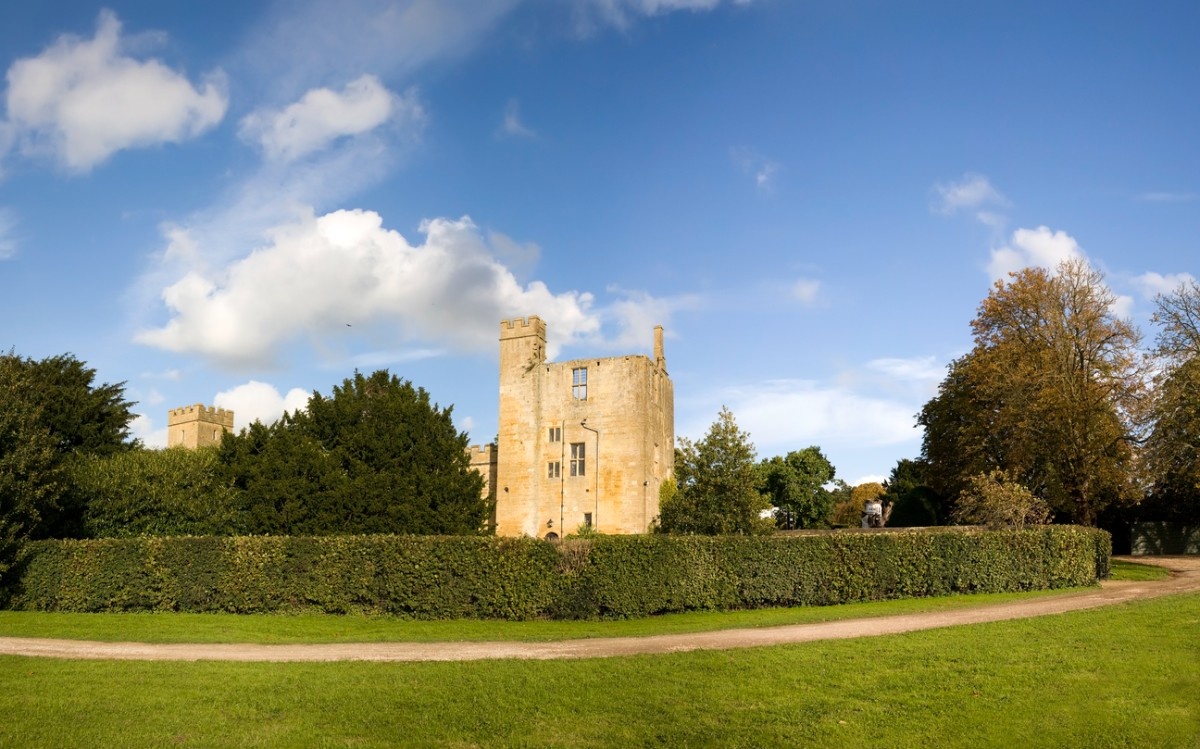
1185	578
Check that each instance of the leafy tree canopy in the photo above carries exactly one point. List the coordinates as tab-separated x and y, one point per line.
1053	393
376	456
52	411
1172	449
716	485
795	485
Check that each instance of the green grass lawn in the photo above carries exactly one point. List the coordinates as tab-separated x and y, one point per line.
285	628
1125	570
1121	676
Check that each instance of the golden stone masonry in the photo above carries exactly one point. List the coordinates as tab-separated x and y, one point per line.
197	426
582	444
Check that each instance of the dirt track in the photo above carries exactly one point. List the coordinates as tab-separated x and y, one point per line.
1185	578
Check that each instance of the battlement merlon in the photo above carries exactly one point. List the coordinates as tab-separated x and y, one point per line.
522	327
201	412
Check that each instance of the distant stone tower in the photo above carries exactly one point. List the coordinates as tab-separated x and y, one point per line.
197	426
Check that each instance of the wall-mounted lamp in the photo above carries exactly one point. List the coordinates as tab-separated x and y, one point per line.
550	523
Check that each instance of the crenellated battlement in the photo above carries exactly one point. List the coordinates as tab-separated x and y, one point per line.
521	327
201	412
482	451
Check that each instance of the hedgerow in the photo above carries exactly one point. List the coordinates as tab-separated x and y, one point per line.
604	576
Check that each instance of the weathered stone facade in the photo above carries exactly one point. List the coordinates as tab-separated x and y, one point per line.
582	443
197	426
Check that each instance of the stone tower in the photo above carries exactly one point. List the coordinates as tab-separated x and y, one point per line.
197	426
582	443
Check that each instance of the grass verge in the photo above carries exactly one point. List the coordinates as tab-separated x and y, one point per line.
1121	676
288	629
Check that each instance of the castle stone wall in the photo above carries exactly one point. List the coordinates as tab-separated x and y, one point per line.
569	457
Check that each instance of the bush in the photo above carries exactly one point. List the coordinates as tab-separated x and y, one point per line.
604	576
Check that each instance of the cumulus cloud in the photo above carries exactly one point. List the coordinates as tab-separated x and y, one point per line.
511	125
318	274
323	115
82	100
1040	247
259	401
783	415
8	244
143	428
1152	284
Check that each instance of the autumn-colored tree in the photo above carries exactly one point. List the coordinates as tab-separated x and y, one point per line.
1053	392
1172	449
849	510
996	499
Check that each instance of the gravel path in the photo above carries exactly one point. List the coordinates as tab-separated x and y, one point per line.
1185	578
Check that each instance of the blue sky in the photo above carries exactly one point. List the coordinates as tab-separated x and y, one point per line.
240	203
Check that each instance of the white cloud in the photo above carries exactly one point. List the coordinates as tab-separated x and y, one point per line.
320	273
618	12
1040	247
635	313
8	244
258	401
915	369
783	415
299	43
973	194
511	125
83	100
143	428
323	115
1152	284
806	291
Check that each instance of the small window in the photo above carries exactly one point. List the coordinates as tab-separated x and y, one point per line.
556	434
577	459
587	520
553	469
579	383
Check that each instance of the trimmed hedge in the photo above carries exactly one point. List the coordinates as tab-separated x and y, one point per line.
606	576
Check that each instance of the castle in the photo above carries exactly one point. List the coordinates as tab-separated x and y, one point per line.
197	426
585	443
581	444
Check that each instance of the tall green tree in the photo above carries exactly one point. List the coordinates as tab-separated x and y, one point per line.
1053	393
795	485
59	407
30	474
913	502
376	456
716	485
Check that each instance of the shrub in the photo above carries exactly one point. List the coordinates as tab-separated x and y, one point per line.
504	578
